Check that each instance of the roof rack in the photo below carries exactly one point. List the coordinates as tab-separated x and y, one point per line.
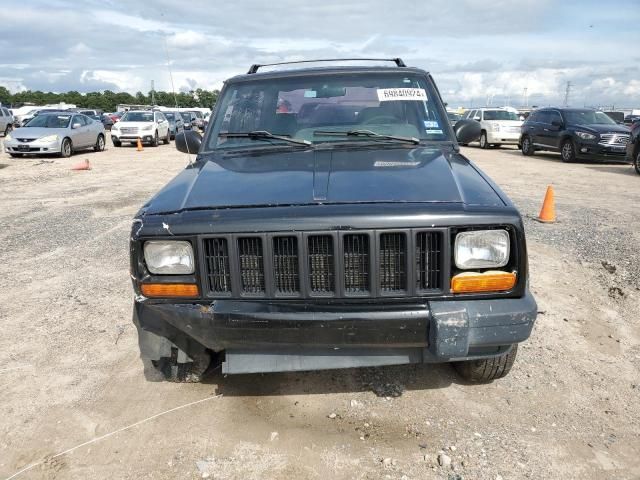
398	61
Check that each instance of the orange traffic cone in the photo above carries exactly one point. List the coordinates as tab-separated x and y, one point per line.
84	165
139	146
548	211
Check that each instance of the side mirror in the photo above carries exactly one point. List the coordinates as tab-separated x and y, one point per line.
467	130
75	125
188	141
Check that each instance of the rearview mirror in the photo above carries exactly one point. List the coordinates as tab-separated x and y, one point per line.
188	141
467	130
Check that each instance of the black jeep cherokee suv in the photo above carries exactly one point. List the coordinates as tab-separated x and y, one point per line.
330	221
577	133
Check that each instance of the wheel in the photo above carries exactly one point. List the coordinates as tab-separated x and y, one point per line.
487	369
116	143
568	151
66	148
527	146
16	155
483	140
99	146
190	372
636	163
154	142
7	130
167	138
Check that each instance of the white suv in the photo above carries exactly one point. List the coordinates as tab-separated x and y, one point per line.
6	121
499	126
145	125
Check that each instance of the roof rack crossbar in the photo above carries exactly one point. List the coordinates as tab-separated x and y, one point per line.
398	61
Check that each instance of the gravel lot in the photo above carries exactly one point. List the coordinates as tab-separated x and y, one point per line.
70	373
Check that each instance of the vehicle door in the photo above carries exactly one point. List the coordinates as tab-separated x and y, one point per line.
553	132
80	135
4	120
163	124
540	128
530	126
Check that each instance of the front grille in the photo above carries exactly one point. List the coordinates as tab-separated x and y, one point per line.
321	264
324	264
218	272
25	140
428	260
285	265
618	139
393	262
129	130
356	263
251	265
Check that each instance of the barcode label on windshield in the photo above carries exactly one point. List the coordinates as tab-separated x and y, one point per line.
397	94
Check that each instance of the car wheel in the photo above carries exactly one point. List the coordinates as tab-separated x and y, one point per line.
527	146
568	151
116	143
483	140
99	146
190	372
167	139
154	142
487	369
7	130
66	148
636	163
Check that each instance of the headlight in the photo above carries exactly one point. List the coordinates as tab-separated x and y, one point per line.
586	136
169	257
8	137
495	127
482	249
148	127
115	126
49	138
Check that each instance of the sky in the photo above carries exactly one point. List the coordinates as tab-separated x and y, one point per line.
479	52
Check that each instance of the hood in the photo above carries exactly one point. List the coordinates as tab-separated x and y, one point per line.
424	174
37	132
602	128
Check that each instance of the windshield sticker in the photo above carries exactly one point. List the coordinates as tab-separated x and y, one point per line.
398	94
380	163
310	94
431	124
434	131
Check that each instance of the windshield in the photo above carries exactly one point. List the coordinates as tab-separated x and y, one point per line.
170	116
454	116
186	116
500	115
137	117
587	117
50	121
302	108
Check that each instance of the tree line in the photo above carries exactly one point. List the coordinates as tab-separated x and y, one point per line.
107	100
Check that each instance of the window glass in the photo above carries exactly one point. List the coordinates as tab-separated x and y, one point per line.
554	117
137	117
500	115
50	121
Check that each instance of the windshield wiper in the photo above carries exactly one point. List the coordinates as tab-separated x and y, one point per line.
365	133
264	135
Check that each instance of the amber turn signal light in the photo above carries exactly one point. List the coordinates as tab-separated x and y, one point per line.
492	281
172	290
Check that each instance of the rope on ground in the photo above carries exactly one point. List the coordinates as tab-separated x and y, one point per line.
115	432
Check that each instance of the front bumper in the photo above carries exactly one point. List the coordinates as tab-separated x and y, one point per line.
36	147
592	150
143	136
509	138
260	336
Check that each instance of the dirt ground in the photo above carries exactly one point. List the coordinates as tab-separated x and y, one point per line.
70	372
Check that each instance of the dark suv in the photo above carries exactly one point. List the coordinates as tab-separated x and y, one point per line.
329	221
577	133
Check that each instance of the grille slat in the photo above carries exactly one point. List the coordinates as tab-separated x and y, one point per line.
285	265
251	265
393	262
614	139
216	254
320	264
356	263
428	254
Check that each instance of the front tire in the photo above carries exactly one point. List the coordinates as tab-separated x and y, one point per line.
66	149
487	369
526	147
483	140
99	146
636	163
8	130
116	143
154	142
167	139
568	151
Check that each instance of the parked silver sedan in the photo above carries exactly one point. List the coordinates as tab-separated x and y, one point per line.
59	133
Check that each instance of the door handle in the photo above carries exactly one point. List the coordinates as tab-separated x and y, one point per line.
531	127
546	129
